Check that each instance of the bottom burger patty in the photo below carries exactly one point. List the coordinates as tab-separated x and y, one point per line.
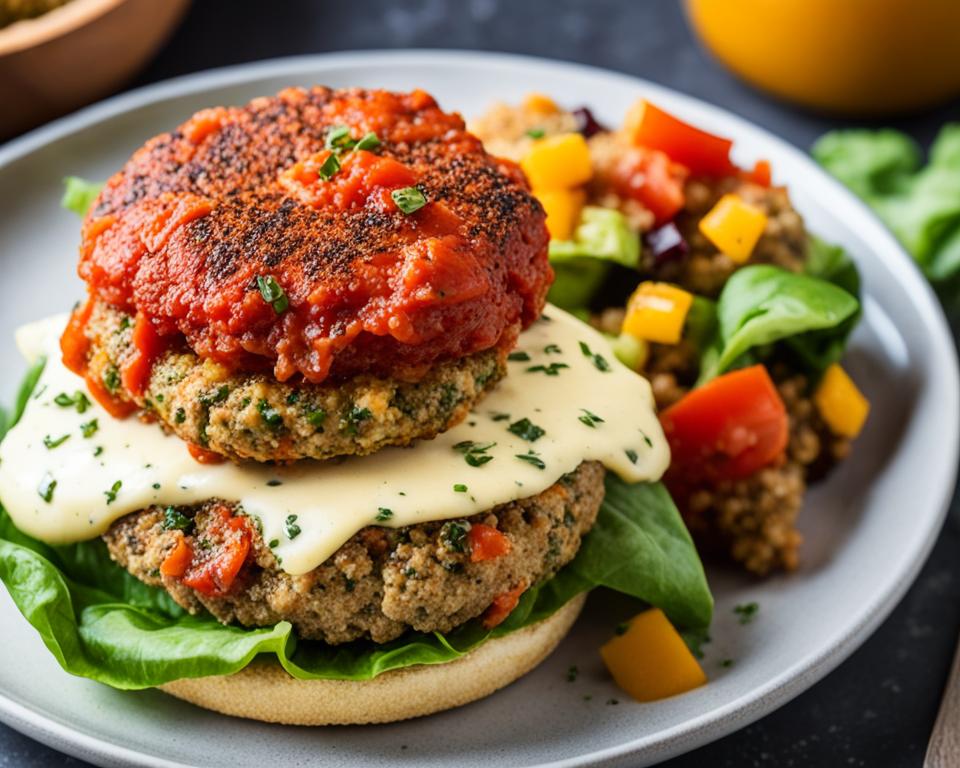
383	581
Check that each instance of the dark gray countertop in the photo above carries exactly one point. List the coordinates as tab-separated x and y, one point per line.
877	708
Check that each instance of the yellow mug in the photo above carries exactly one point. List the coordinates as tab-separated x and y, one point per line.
850	56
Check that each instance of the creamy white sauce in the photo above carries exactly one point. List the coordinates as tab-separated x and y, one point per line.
333	500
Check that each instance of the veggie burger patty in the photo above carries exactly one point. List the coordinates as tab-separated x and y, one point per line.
428	577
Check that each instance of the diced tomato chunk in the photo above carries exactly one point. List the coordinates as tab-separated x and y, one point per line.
502	606
487	543
177	562
649	176
213	570
701	152
725	430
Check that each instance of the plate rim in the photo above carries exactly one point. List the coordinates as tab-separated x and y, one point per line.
700	729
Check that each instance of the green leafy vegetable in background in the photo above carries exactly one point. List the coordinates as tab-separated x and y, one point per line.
920	204
761	304
102	623
602	238
79	194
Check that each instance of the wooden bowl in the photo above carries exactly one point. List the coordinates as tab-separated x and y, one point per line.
76	54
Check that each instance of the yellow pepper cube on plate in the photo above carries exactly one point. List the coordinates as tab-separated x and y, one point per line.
650	661
657	312
558	162
841	403
734	227
563	207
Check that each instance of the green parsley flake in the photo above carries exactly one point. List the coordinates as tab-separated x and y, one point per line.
89	429
270	415
383	514
632	455
747	612
51	442
590	419
550	370
111	380
454	535
460	488
475	454
112	493
532	458
552	349
175	520
338	137
409	199
369	142
78	400
351	421
599	361
47	487
274	543
497	416
526	430
518	357
180	416
316	417
272	293
536	133
291	528
329	168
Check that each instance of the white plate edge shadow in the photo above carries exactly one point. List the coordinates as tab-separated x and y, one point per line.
699	730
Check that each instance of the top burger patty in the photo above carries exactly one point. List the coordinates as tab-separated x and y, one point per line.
239	233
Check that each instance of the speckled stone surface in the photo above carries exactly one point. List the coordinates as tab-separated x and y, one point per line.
877	708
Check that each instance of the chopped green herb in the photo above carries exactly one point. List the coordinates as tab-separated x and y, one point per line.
518	357
410	572
590	419
51	442
112	493
180	416
63	400
316	417
572	673
495	416
111	380
47	487
599	361
747	612
290	527
175	520
632	455
338	137
536	133
156	486
460	488
98	450
272	292
612	702
526	430
274	543
349	584
273	482
78	400
369	142
350	422
726	663
475	454
621	629
39	392
293	398
647	440
552	349
383	514
270	415
532	458
217	396
551	370
454	535
329	167
409	199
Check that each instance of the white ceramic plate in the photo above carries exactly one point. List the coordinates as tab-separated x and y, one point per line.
868	529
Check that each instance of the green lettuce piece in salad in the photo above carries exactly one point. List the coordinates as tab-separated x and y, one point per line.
602	238
102	623
920	204
79	194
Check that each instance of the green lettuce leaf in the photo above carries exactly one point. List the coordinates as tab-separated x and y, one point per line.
762	304
920	204
102	623
601	239
79	194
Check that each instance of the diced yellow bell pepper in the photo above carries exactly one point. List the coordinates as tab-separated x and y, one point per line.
563	207
734	227
540	103
650	661
841	404
657	312
558	162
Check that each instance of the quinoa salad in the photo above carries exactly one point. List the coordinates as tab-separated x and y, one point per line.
707	282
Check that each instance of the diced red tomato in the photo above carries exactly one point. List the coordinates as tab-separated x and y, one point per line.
487	543
177	562
147	346
701	152
502	606
203	456
725	430
648	176
213	570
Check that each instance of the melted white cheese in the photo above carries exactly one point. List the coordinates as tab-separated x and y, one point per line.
586	414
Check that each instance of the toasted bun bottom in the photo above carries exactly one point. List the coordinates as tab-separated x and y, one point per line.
264	691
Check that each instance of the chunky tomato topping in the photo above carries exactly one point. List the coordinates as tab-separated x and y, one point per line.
651	178
502	606
211	566
727	429
487	543
700	151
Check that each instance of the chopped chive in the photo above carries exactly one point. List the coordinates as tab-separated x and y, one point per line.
98	450
369	142
518	357
174	520
291	528
647	440
460	488
47	487
270	415
273	293
383	514
338	137
632	455
409	199
526	430
329	168
475	454
274	483
553	349
532	458
112	493
550	370
274	543
54	442
497	416
599	361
